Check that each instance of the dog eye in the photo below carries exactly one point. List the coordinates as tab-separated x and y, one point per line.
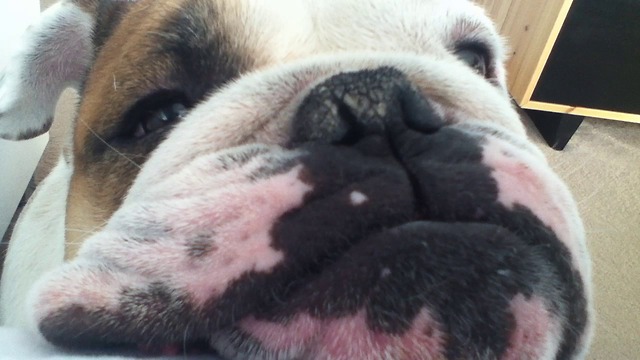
160	118
476	59
154	113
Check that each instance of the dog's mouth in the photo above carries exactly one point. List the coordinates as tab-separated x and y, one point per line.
371	227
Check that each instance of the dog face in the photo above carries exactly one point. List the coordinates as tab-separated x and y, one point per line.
290	179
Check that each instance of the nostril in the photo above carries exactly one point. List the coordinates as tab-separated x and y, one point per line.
355	130
350	106
418	113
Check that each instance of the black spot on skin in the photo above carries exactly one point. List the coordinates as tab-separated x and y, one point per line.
153	230
201	246
237	344
451	269
156	310
238	159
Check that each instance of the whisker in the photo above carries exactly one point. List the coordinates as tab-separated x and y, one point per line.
96	229
88	233
81	230
184	339
109	145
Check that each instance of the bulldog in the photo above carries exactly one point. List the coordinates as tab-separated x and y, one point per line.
289	179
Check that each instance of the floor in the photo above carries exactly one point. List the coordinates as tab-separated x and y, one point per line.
601	165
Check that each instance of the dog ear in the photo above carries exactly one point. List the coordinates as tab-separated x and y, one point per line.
56	52
53	54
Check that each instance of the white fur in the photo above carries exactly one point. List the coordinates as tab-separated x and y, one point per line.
29	89
37	245
357	198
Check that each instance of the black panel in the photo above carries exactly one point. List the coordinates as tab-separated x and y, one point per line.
556	129
595	62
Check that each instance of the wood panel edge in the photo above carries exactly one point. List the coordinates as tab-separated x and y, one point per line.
581	111
546	51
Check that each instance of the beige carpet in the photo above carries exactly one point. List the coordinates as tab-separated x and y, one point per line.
601	164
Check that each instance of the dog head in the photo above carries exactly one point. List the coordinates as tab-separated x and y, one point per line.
292	179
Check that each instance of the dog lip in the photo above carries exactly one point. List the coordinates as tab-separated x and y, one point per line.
175	349
165	350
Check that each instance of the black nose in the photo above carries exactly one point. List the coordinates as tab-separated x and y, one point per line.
349	106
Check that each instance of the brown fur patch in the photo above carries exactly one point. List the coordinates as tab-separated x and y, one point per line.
89	6
142	55
117	79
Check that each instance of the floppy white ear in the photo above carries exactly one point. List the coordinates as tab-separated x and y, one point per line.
52	55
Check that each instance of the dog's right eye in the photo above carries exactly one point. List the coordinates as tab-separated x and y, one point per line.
474	59
160	118
155	112
476	55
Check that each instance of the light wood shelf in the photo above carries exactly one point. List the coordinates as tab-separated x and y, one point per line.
531	28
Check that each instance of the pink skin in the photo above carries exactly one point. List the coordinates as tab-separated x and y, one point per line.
536	332
348	338
91	286
525	181
293	338
351	338
149	241
218	217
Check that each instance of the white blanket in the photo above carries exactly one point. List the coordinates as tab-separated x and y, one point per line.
21	344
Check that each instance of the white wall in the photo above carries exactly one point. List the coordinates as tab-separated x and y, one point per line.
18	160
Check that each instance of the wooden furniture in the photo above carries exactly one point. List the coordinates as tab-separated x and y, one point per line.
571	59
